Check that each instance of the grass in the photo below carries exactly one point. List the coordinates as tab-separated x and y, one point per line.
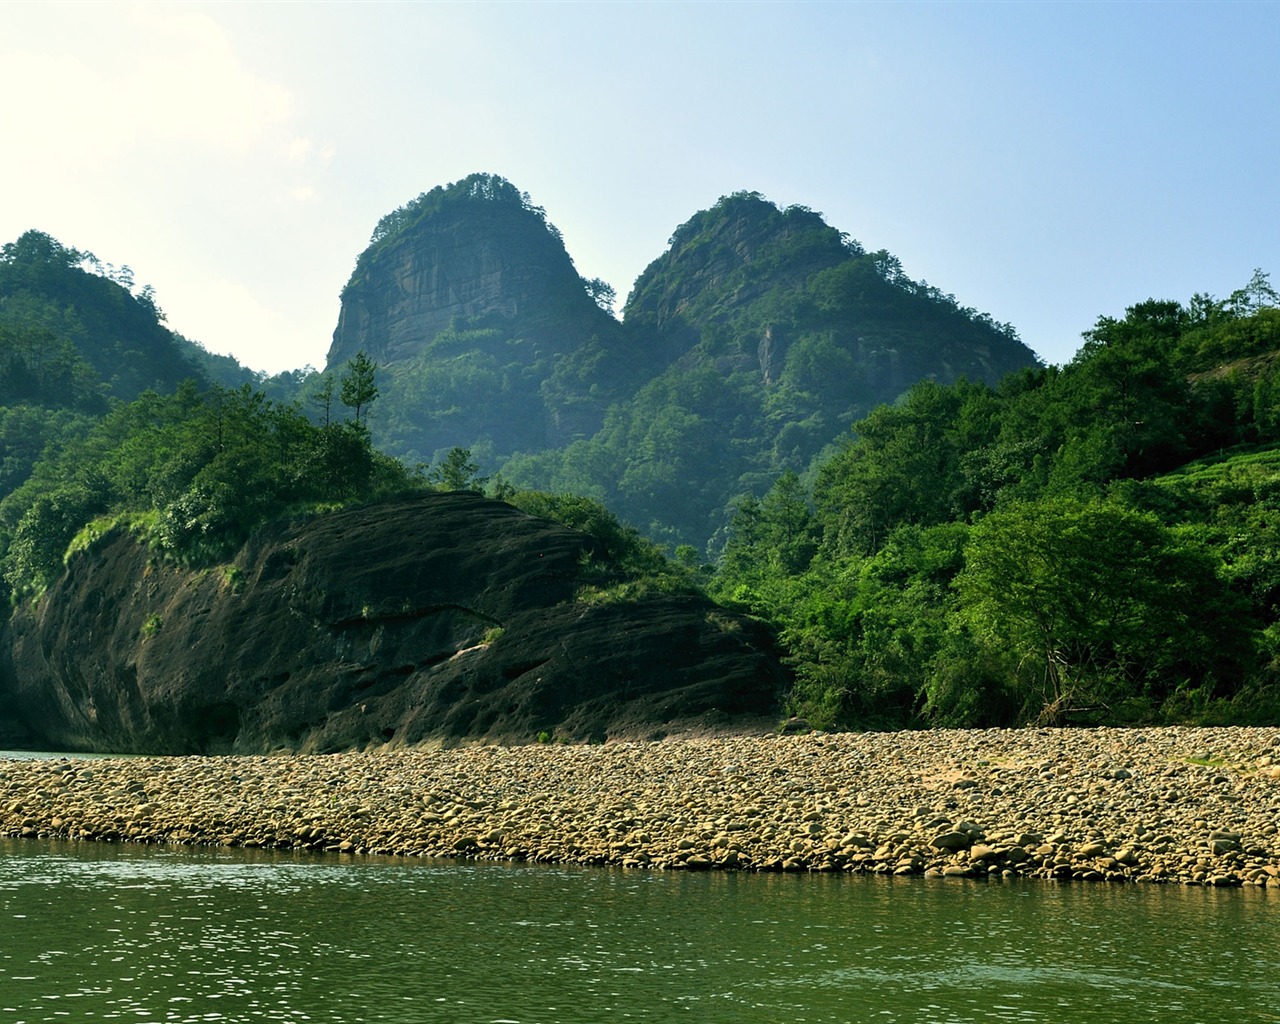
1233	470
233	577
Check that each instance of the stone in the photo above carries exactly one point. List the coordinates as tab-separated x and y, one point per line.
367	626
952	841
633	803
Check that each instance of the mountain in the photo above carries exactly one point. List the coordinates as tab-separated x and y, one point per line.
472	251
784	279
47	297
469	303
75	336
746	349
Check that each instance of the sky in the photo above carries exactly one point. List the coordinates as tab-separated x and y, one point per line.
1046	163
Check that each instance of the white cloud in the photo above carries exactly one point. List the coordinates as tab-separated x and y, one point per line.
234	317
160	73
191	87
300	150
65	110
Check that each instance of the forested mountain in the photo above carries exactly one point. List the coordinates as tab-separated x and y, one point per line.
61	307
74	336
77	335
748	347
1095	543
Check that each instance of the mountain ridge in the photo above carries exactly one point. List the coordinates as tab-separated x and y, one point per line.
764	330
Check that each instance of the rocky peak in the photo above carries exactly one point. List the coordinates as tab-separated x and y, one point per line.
475	251
722	259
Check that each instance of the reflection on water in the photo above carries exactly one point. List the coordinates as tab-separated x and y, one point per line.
100	932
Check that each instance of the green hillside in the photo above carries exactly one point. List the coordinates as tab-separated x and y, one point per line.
943	531
1095	543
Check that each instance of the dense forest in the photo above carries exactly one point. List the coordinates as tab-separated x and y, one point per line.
1096	542
1093	543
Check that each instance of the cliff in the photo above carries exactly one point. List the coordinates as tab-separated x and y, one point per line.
469	303
440	617
476	251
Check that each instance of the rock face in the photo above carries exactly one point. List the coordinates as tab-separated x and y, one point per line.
485	334
440	617
467	262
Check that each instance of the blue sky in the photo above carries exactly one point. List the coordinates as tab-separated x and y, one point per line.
1046	163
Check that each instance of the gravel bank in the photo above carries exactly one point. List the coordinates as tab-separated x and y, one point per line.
1197	806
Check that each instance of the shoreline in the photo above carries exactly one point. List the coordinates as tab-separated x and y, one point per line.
1190	805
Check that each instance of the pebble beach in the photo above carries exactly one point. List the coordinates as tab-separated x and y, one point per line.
1197	806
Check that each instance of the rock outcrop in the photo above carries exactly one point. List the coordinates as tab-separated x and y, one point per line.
438	617
476	252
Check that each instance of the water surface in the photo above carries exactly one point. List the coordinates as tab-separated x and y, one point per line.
99	932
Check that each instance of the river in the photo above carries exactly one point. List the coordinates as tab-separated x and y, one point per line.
104	932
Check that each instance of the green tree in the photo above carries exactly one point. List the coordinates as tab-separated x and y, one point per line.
602	293
905	464
322	396
358	387
457	472
771	542
868	632
1100	603
1257	295
34	558
197	473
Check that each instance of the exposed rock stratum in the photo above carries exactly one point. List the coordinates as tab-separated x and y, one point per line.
437	617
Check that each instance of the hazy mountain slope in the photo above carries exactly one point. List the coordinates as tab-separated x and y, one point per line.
45	289
779	332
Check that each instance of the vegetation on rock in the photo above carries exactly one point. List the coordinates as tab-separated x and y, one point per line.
943	531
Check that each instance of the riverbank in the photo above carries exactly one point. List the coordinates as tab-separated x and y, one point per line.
1190	805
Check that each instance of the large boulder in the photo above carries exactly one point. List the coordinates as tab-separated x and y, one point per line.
438	617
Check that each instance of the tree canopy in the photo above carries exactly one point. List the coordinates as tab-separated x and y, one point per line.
194	472
1087	543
